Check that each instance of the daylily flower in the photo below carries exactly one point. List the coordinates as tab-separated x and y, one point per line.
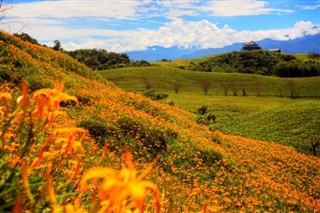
54	96
117	187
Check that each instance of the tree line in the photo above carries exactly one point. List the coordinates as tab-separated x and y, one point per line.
102	59
259	62
97	59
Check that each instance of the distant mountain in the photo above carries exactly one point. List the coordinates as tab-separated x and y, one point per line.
154	53
305	44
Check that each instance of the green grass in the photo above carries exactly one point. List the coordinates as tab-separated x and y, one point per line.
130	79
269	117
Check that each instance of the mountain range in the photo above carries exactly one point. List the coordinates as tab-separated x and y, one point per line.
306	44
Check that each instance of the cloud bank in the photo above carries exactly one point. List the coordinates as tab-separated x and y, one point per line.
201	34
122	26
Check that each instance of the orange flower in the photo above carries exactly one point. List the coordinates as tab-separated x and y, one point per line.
67	138
23	99
6	97
49	101
117	187
54	96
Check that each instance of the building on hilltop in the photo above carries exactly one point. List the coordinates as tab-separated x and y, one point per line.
251	45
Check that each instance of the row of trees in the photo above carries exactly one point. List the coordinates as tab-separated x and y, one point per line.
297	69
96	59
102	59
235	88
259	62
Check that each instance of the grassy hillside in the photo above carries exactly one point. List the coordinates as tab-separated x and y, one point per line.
163	77
259	62
48	165
268	117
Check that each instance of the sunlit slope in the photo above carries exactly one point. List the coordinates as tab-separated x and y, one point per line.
38	65
265	112
163	77
196	166
292	124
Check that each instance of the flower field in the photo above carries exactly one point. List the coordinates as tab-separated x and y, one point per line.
72	142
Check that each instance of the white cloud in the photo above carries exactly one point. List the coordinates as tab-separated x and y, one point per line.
134	9
79	8
311	7
202	34
240	8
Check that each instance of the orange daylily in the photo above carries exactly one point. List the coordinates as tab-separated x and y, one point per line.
54	96
67	138
6	97
118	186
49	101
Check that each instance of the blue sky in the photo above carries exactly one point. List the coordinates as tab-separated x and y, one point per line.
127	25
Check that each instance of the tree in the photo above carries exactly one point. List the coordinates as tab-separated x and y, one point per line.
293	88
148	82
225	88
234	88
26	37
100	59
205	84
258	88
315	143
57	45
176	86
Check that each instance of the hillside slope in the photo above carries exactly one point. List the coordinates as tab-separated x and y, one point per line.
196	169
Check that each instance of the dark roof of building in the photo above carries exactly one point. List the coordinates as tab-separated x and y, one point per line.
251	43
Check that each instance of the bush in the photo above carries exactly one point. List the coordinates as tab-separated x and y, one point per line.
155	96
5	74
36	83
153	139
147	82
85	100
211	117
97	129
141	63
204	117
209	157
202	110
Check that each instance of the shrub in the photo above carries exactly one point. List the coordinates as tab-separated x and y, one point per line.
97	129
202	110
206	119
211	117
36	82
209	157
5	74
85	100
154	95
153	139
147	82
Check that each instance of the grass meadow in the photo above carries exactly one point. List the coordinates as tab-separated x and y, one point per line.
266	112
